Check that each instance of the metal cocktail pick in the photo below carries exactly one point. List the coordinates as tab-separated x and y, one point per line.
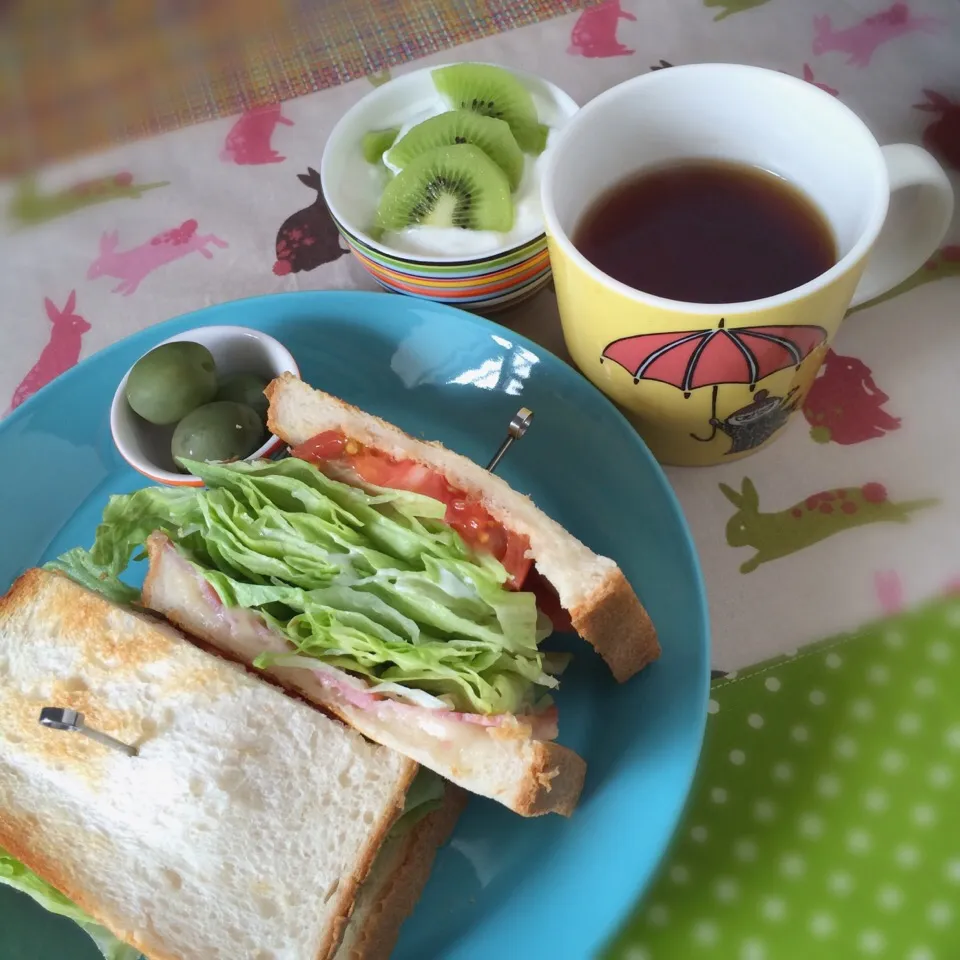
518	427
63	718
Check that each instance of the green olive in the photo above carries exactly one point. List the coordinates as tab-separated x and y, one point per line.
171	380
245	388
222	430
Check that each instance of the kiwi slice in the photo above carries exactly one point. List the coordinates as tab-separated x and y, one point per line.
492	136
493	92
453	186
376	142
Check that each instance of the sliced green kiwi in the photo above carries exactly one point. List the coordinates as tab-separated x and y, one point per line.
492	136
376	142
493	92
534	137
453	186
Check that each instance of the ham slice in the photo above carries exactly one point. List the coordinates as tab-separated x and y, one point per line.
540	726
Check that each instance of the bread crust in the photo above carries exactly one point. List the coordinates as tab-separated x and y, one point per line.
22	834
615	624
398	894
610	617
554	782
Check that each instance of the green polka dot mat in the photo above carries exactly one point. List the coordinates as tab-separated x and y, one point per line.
824	822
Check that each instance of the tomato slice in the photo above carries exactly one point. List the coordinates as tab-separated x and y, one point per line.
515	561
374	470
468	517
548	601
324	446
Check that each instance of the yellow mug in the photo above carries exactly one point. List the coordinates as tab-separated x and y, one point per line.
707	383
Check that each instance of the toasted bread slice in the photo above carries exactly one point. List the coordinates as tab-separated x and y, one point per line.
507	764
603	606
244	826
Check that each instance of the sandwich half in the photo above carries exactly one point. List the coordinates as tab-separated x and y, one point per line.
573	585
245	825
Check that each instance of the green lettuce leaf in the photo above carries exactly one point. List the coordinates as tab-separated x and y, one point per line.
79	566
424	796
14	874
370	581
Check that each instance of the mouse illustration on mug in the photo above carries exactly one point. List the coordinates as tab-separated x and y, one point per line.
754	424
741	356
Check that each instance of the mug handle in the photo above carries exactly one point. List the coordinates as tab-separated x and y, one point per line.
915	224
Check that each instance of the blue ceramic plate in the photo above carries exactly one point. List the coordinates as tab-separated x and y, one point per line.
504	886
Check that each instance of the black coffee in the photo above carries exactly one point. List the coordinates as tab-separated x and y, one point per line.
707	232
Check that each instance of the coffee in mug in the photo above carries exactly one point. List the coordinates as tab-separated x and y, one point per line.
707	231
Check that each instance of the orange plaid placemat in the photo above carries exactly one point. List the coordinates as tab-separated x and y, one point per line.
79	74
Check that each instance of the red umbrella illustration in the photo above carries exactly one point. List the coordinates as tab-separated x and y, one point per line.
691	359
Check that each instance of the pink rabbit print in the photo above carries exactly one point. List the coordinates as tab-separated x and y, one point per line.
942	136
248	142
888	587
61	352
131	266
861	40
810	78
595	32
889	590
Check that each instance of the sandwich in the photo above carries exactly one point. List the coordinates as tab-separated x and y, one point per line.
246	825
393	583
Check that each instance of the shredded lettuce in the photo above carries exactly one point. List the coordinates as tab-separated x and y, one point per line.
370	581
14	874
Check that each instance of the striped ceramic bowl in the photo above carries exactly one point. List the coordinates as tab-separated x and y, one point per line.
481	271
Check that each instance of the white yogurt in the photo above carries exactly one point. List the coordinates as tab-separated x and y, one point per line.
460	242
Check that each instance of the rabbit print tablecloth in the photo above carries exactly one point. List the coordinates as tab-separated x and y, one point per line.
852	515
